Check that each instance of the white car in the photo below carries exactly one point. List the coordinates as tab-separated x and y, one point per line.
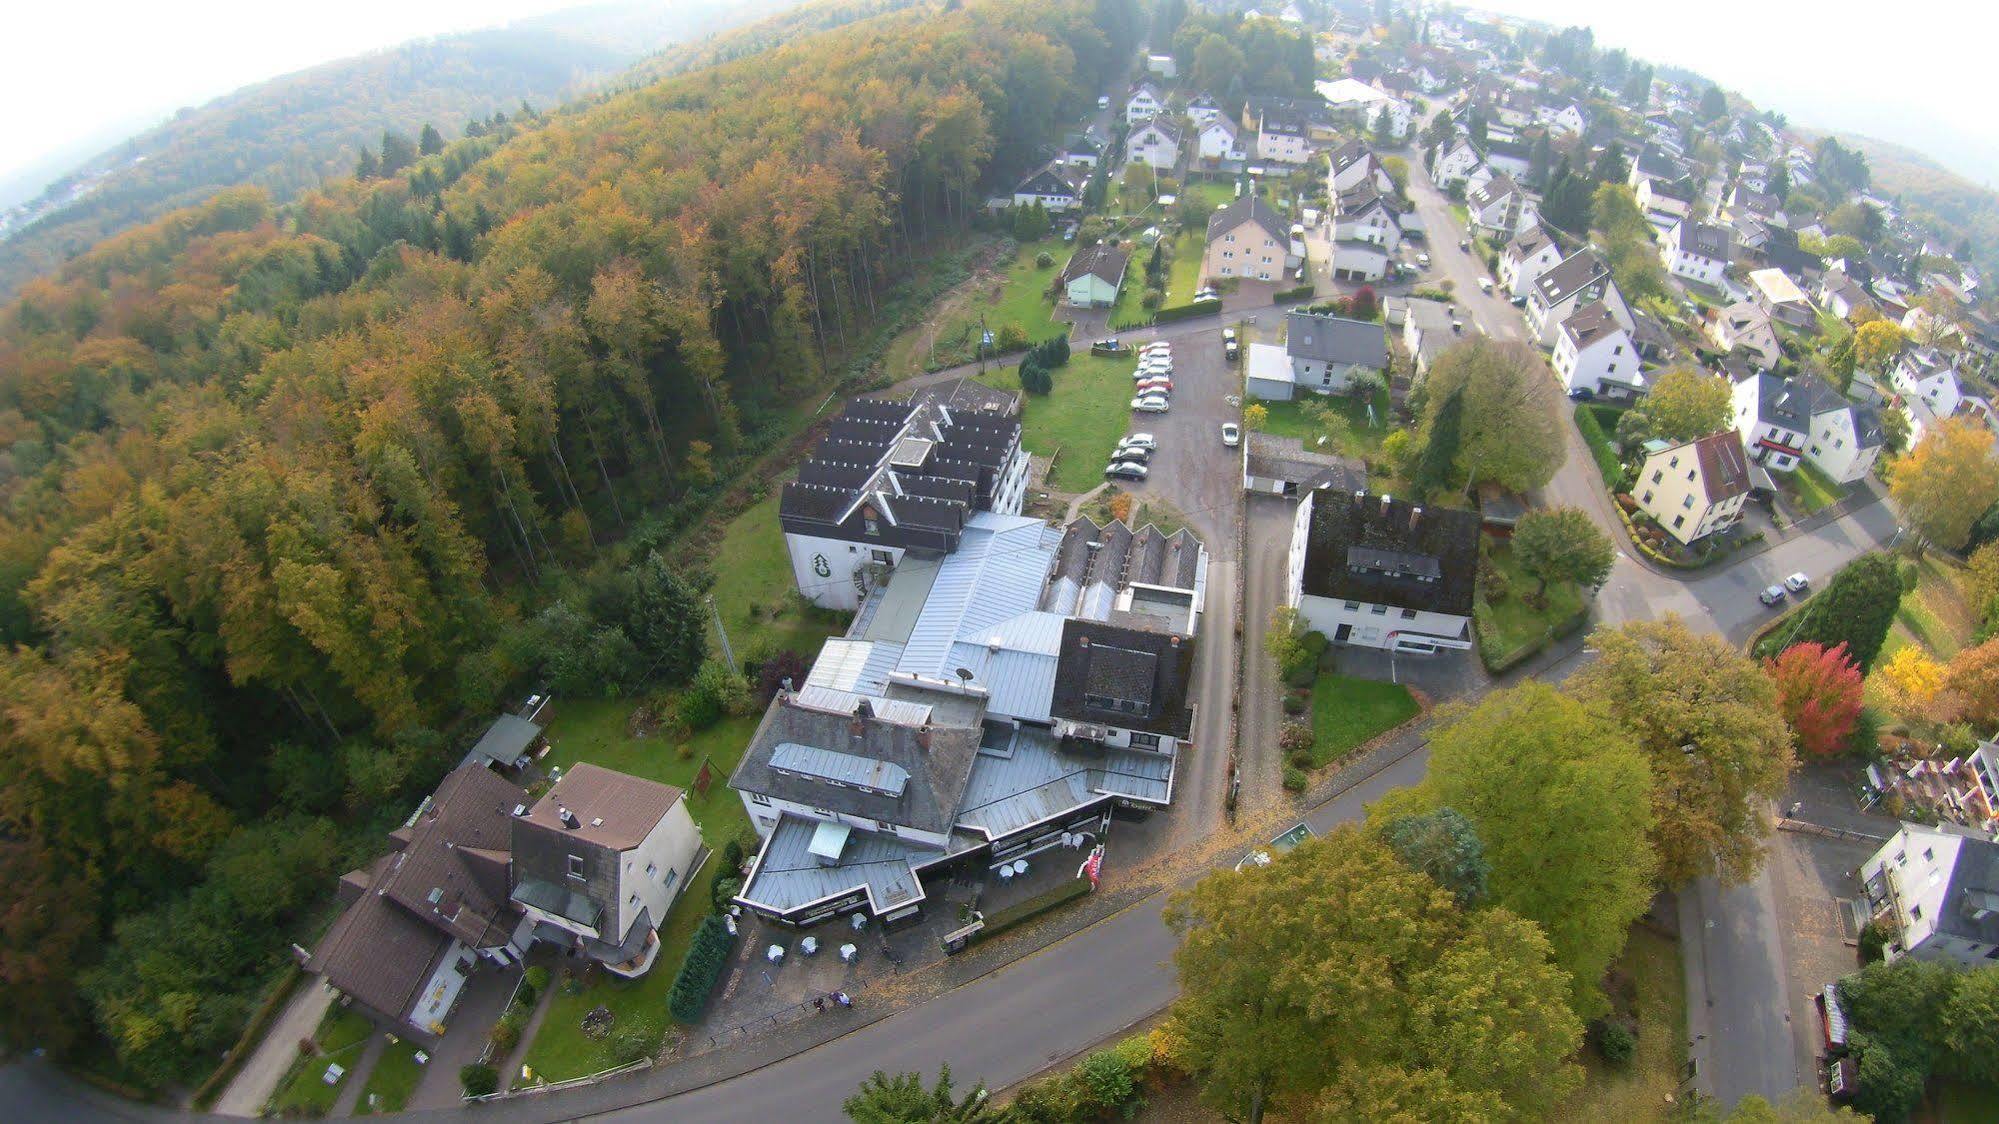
1150	404
1138	441
1798	583
1231	434
1162	346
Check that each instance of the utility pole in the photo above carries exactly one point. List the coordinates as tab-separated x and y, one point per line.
984	337
722	630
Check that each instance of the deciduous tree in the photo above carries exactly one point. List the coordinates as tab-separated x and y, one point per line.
1948	481
1706	718
1509	433
1562	799
1912	680
1444	845
1972	680
903	1099
1856	609
1686	403
1562	544
1337	956
1818	692
1875	343
1968	1027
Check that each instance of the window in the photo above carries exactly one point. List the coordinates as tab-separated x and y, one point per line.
672	876
1658	475
1674	463
652	869
1647	498
759	798
1687	502
1144	741
635	900
576	867
1377	610
1408	614
883	557
1915	913
1353	606
1929	854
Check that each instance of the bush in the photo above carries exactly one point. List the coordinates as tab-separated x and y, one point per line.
1294	778
1189	310
726	886
634	1040
1315	643
536	978
1286	296
1293	704
1301	675
504	1036
1873	943
1011	337
1614	1041
525	995
1108	1080
1301	759
1492	581
707	954
1600	447
1296	736
479	1080
1152	299
1043	260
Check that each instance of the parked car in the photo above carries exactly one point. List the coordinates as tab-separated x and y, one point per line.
1159	383
1464	244
1582	394
1138	441
1206	293
1110	344
1485	284
1125	470
1774	595
1103	101
1231	434
1150	404
1157	345
1231	346
1153	371
1131	456
1798	583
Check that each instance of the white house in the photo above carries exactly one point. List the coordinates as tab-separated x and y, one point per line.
1093	276
1784	421
1594	352
1458	161
1368	102
1781	297
1664	201
1936	890
1320	354
1364	214
1353	164
1929	390
1565	121
1501	206
1581	278
1145	103
1845	440
1164	66
1221	140
1377	572
1428	330
1744	325
1283	138
1053	185
1530	254
1695	251
1155	143
1695	488
1202	109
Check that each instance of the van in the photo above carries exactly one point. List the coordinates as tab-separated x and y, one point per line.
1485	284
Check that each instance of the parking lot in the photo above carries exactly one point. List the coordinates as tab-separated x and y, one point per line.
1191	469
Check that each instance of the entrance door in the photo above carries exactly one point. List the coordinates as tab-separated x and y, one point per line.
1341	633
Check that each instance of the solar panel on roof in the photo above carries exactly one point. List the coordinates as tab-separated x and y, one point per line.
911	452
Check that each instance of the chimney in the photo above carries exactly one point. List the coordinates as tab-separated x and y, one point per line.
568	818
1415	519
1386	500
923	737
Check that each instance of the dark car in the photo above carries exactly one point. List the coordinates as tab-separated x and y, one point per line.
1125	470
1131	454
1774	595
1582	394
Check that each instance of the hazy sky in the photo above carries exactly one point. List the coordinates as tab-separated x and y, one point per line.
1920	73
71	69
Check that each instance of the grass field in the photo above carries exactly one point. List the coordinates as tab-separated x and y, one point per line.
1514	623
1810	488
1347	712
1184	276
1640	1090
342	1035
1209	194
394	1078
1937	615
1014	296
754	587
1362	439
1089	409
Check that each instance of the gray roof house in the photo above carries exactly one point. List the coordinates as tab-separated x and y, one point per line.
1377	572
1936	890
1323	352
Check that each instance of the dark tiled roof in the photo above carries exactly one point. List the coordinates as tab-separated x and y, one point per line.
611	809
1579	272
1127	677
1107	263
938	759
1343	523
1335	339
1246	208
1590	323
1702	239
506	739
1974	886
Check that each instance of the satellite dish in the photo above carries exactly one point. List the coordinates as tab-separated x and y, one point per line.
965	673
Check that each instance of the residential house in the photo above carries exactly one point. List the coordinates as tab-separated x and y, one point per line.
1221	142
1055	185
1093	276
1367	103
1784	421
1595	353
1377	572
1655	163
1580	279
1936	891
1246	239
895	478
1695	251
982	710
1568	120
1695	488
1282	466
1321	352
1203	108
1845	439
1458	163
1501	206
1665	202
419	920
1781	297
1744	326
1283	138
1429	329
1082	150
1364	214
1353	164
1143	104
599	860
1155	143
1929	390
1841	295
1526	257
1165	66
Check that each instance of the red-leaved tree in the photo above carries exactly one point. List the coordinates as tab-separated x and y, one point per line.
1818	690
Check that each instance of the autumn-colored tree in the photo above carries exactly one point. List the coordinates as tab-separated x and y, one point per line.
1255	417
1686	402
1120	505
1875	343
1972	679
1912	681
1707	720
1948	481
43	934
1562	800
1818	692
1338	959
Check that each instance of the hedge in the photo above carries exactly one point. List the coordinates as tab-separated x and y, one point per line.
1600	447
1301	293
707	954
1191	309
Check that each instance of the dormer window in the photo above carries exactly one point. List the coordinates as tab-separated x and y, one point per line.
576	867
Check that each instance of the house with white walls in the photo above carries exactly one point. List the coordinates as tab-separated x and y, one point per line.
1372	571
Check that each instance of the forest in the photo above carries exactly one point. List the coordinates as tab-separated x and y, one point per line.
294	496
297	131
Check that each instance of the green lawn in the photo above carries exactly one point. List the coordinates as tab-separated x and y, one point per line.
1347	712
1639	1091
1811	488
1016	298
561	1051
1210	194
394	1079
342	1035
1185	274
1082	418
1289	419
1511	623
755	591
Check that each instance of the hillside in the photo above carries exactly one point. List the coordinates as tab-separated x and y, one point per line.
296	131
294	496
1957	207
